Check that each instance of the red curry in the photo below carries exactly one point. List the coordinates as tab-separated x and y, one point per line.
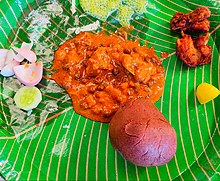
102	72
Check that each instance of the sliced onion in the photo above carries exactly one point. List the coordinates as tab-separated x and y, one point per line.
9	57
3	53
2	63
26	53
8	70
19	58
29	74
26	46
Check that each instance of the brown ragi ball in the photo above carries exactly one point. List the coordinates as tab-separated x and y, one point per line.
142	135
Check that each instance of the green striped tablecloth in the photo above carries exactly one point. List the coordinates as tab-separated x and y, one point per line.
71	147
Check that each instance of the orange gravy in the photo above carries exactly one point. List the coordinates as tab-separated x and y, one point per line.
102	72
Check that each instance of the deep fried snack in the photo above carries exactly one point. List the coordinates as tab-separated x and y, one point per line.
193	52
195	21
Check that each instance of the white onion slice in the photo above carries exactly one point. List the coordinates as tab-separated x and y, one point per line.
24	45
8	70
3	53
29	74
9	57
28	54
2	63
27	45
19	58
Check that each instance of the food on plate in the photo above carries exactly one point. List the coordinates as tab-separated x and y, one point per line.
7	62
102	9
7	70
3	54
26	53
206	92
193	52
101	72
164	55
29	74
142	135
25	49
12	58
9	56
28	98
195	21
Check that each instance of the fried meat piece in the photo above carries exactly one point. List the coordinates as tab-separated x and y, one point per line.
200	27
193	52
187	52
201	40
195	21
206	54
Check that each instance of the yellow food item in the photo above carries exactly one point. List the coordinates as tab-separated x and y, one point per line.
206	92
102	9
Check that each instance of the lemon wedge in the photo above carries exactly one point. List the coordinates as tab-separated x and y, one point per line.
206	92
